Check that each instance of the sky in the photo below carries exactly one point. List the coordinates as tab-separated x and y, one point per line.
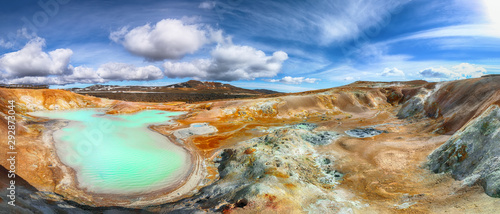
288	46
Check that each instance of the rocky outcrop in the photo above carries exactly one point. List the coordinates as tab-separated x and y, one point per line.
473	153
300	106
280	172
455	102
416	101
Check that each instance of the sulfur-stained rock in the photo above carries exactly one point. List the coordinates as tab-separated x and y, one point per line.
306	126
256	174
473	153
456	102
415	106
320	137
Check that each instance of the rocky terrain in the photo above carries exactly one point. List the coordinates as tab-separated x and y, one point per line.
368	147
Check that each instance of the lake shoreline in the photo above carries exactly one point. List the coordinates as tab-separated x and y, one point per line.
181	188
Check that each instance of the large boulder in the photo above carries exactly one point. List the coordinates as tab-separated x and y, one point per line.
473	153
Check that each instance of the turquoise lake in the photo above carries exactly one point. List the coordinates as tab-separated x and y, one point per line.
118	154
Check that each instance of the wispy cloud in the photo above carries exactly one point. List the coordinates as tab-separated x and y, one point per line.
319	22
294	80
470	30
207	5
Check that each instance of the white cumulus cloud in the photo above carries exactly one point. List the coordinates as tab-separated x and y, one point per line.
440	73
294	80
392	72
124	71
38	80
31	60
167	39
31	65
467	70
461	71
229	63
82	74
105	73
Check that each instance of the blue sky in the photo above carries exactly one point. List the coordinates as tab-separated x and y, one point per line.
281	45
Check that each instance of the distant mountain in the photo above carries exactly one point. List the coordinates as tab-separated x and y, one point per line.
491	75
211	86
191	85
190	91
220	86
266	91
201	85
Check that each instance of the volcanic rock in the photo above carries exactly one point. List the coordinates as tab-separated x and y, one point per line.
473	154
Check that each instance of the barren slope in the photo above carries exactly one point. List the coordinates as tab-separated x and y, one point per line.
291	153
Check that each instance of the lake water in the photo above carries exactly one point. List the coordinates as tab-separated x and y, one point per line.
118	154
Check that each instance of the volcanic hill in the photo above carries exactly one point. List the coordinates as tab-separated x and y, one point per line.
190	91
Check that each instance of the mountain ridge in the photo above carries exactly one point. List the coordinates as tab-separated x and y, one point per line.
190	91
191	84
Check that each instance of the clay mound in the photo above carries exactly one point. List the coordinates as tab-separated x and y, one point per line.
352	100
473	153
302	105
460	101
